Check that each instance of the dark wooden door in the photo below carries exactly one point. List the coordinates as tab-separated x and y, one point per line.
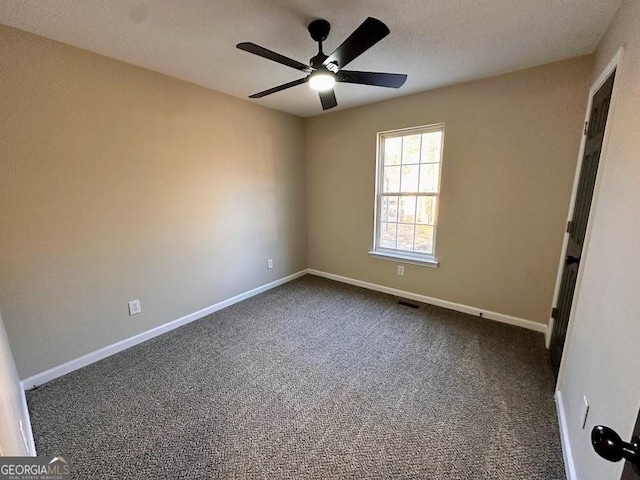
628	473
577	227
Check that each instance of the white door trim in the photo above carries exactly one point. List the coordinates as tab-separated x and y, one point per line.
614	64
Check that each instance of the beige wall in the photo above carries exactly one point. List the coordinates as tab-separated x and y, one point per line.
511	145
118	183
601	355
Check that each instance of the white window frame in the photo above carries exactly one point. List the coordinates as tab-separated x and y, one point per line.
404	256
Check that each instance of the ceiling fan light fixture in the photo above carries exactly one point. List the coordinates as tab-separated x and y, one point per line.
322	81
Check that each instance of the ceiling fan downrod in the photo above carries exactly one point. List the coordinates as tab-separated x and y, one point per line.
319	31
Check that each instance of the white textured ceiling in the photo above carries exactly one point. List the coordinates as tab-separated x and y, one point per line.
435	42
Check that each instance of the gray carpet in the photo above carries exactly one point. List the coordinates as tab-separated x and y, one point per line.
313	379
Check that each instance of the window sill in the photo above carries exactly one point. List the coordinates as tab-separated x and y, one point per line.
406	258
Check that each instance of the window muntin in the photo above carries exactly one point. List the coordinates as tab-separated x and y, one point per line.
407	190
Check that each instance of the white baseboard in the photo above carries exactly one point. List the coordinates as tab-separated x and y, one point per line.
548	333
458	307
27	432
569	466
68	367
55	372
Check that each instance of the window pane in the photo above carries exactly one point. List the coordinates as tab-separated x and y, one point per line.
408	209
405	237
431	144
392	209
392	150
391	179
410	178
429	177
388	235
411	149
426	211
424	239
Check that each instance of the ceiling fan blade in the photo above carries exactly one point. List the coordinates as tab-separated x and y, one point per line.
390	80
328	99
370	32
279	88
276	57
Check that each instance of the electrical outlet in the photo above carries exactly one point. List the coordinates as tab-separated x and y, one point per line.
584	411
400	270
134	307
270	263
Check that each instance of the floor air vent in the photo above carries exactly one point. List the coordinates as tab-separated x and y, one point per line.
408	304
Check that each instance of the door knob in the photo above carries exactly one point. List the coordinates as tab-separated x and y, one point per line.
608	444
571	259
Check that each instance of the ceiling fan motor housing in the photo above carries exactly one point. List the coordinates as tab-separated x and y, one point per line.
316	62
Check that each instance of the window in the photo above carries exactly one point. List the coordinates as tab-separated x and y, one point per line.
407	189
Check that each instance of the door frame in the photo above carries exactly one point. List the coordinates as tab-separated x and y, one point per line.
614	64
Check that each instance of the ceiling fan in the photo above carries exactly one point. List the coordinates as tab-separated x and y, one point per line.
325	70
